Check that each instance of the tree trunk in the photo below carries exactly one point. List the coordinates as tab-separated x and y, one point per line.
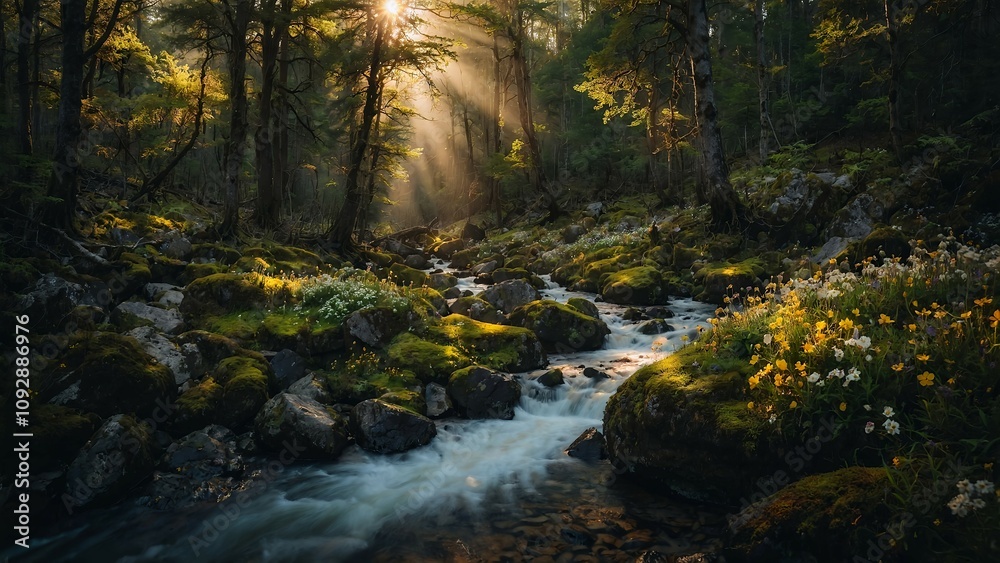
522	83
496	197
763	83
63	183
25	37
342	232
726	207
265	212
892	36
236	145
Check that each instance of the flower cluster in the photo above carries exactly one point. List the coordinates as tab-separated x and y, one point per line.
970	496
351	290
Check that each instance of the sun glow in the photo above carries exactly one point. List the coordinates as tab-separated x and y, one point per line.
391	7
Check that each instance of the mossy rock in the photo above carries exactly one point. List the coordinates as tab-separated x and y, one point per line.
560	328
214	347
884	242
223	293
835	514
401	274
683	423
59	433
720	280
500	347
168	270
380	259
348	389
584	306
135	274
196	408
517	262
413	401
465	258
244	382
642	285
280	329
477	308
215	252
427	360
108	374
506	273
194	271
593	271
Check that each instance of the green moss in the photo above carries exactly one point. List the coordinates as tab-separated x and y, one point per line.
642	285
401	274
252	367
833	513
194	271
115	375
59	433
427	360
595	270
241	326
410	400
500	347
244	383
683	422
197	407
884	242
465	258
214	251
720	279
559	327
222	293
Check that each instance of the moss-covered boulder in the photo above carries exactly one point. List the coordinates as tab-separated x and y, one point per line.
223	293
464	258
196	408
642	285
409	399
447	248
478	392
683	423
506	348
108	374
401	274
301	427
384	428
884	242
194	271
835	514
477	308
429	361
116	458
244	382
214	252
59	433
585	306
722	279
560	328
374	327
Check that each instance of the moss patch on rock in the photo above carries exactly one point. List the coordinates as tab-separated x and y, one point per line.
427	360
223	293
108	374
559	327
196	408
642	285
500	347
833	513
722	279
683	423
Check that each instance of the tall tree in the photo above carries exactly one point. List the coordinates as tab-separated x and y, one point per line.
64	181
237	17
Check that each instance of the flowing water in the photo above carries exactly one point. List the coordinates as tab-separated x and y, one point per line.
493	490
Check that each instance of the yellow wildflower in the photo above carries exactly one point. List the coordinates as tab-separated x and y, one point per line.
897	367
884	319
750	405
847	324
799	366
808	347
754	359
781	364
926	379
793	405
754	381
843	407
820	325
983	301
923	357
995	319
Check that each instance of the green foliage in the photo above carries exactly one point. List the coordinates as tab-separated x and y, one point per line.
352	290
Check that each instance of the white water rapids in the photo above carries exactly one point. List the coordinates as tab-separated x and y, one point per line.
332	511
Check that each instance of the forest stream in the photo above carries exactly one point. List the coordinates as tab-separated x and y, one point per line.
482	490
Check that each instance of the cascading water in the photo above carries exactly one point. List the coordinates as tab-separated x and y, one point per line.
473	474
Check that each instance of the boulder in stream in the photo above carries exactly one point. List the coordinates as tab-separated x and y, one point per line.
589	446
117	457
385	428
510	294
478	392
560	328
302	427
